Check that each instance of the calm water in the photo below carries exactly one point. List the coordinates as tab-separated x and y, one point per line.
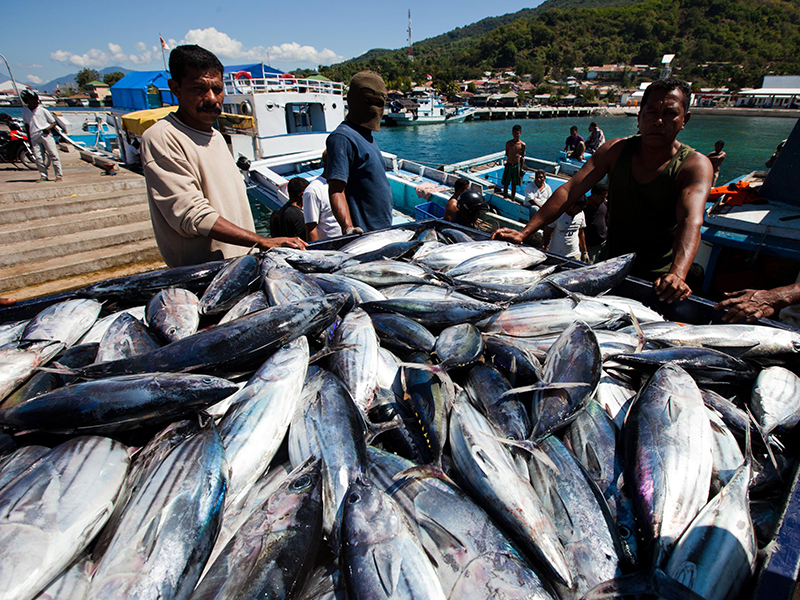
749	141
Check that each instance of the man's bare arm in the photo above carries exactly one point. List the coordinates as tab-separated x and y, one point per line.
339	206
694	184
312	232
597	167
225	231
752	305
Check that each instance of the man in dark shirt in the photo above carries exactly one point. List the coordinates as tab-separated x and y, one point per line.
361	198
574	145
596	226
289	220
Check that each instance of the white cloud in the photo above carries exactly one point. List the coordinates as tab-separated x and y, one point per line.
141	46
224	46
95	58
34	79
117	55
32	66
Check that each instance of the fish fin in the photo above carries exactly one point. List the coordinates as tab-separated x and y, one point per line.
656	583
405	477
373	430
764	438
59	369
544	386
388	570
639	332
569	294
440	373
328	350
442	537
529	447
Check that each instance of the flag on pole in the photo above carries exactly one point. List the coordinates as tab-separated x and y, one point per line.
163	43
430	77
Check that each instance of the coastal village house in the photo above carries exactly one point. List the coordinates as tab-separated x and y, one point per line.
776	91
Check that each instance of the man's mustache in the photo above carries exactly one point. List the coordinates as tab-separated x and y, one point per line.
210	108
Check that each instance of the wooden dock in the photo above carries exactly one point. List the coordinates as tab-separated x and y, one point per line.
532	112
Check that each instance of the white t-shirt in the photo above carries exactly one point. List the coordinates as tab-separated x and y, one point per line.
37	120
317	209
564	240
536	196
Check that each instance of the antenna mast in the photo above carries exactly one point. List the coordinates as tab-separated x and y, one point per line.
410	49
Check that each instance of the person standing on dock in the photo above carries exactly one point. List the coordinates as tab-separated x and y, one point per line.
657	192
197	196
515	158
716	157
596	138
360	194
41	124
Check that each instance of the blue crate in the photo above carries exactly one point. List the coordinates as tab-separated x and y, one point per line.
428	210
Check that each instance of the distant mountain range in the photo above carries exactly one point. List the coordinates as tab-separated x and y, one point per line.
730	43
50	86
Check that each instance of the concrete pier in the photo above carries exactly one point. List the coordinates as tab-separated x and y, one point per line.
57	236
532	112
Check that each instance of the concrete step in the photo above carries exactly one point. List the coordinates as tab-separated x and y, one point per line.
71	265
26	211
32	251
47	190
12	233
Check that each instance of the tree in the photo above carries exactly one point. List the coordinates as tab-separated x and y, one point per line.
472	88
112	78
84	76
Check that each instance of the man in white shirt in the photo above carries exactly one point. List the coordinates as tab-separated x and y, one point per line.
320	222
537	192
40	124
565	235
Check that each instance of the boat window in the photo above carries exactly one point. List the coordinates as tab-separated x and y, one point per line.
304	117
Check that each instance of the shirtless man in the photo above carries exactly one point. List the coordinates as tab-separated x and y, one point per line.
657	192
716	157
515	154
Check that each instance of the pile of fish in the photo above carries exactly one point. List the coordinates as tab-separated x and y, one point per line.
415	415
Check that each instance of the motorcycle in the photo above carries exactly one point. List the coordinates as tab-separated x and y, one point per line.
14	145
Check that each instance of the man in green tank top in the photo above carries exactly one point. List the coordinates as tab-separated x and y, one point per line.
657	192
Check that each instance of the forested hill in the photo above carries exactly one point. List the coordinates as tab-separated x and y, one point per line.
717	42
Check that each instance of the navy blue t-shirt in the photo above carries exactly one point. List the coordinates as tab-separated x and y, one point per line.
354	157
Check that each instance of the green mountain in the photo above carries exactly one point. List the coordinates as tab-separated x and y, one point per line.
717	42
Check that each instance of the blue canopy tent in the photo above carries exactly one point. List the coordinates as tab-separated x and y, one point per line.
131	92
256	70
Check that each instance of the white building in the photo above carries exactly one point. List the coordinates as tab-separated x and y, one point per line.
776	91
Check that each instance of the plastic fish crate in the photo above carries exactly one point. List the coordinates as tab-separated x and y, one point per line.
427	211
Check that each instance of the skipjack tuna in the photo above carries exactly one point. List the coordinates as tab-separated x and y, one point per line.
417	414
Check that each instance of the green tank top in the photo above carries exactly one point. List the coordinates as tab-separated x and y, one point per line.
641	216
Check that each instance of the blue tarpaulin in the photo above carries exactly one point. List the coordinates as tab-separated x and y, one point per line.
130	92
257	70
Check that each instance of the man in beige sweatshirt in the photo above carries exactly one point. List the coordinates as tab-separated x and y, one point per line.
198	202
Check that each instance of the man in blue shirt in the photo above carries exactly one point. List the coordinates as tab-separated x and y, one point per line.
360	195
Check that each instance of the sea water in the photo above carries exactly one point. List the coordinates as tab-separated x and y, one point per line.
749	141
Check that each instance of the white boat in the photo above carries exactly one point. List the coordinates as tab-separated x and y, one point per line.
424	108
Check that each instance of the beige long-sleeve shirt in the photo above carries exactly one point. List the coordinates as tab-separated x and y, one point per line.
191	182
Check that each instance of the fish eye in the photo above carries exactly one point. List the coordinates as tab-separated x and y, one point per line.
354	498
301	482
172	330
624	531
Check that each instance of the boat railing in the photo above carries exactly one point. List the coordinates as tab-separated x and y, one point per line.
261	85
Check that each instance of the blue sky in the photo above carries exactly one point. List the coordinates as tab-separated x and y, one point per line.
63	37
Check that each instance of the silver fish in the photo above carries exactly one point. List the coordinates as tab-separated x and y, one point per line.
173	313
668	446
72	584
510	276
250	303
11	331
447	257
285	285
530	319
64	322
125	337
517	257
168	529
98	330
356	363
615	397
459	346
490	473
20	461
775	400
740	340
18	360
382	273
382	555
230	285
50	514
376	240
727	455
423	291
485	386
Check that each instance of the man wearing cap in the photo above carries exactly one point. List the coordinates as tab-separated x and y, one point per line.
361	199
41	124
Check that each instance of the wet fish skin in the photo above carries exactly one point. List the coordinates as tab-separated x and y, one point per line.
142	286
64	322
250	303
706	365
429	399
726	453
456	236
359	292
356	363
668	445
519	365
168	529
369	242
520	257
445	257
435	313
19	461
492	477
118	403
741	340
49	514
234	346
125	337
775	400
422	291
459	346
393	251
173	313
382	556
716	555
402	333
274	549
615	397
72	584
18	360
485	386
11	331
592	280
230	285
254	427
473	558
388	272
311	260
573	359
546	317
285	285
